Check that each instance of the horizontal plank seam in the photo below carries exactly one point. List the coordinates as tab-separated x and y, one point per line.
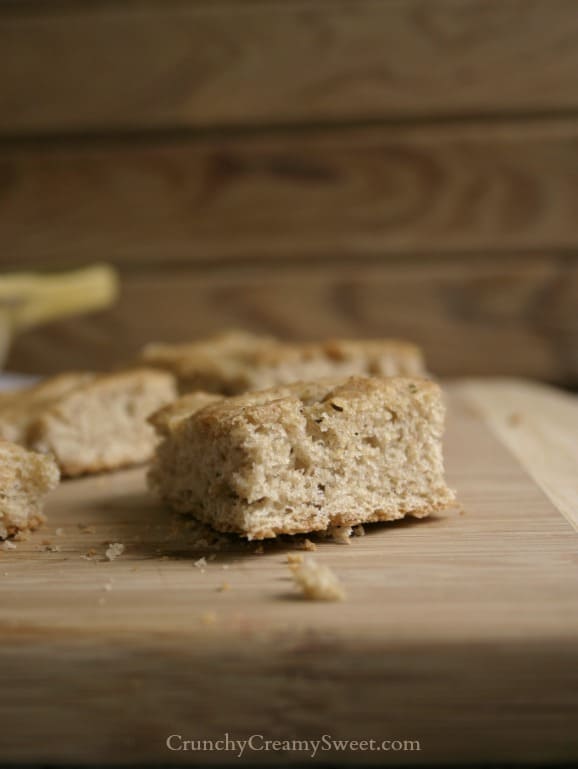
166	134
24	8
417	260
42	8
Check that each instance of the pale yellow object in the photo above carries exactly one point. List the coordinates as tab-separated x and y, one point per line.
29	299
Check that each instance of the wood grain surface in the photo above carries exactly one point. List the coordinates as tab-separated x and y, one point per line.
349	193
540	426
472	317
85	66
307	168
459	631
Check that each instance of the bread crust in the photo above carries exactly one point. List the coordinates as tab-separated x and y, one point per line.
25	479
243	454
165	420
102	424
20	408
236	363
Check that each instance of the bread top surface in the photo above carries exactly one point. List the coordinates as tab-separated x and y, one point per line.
130	381
19	464
46	390
230	343
277	403
19	408
232	353
165	419
23	411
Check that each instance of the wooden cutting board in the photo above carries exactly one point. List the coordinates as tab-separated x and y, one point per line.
460	631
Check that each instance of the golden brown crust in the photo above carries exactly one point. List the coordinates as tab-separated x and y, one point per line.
164	420
308	525
266	405
34	522
25	477
301	458
159	353
237	362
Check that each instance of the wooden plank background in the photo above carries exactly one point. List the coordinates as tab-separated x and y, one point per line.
375	191
477	316
99	66
307	167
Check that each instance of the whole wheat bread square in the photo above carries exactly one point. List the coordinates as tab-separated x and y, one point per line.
306	457
102	425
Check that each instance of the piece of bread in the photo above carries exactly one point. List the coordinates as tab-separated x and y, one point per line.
102	425
305	457
165	420
316	581
237	362
20	408
25	478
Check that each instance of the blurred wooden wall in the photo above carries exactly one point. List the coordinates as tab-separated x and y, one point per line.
307	167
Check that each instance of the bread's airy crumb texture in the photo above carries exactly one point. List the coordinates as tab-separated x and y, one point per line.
102	425
238	362
306	457
25	478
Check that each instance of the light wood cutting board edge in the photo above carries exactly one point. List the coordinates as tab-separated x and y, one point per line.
539	425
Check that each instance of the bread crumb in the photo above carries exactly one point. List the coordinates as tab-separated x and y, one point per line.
224	587
59	532
340	534
52	548
90	555
209	618
317	582
307	544
201	563
8	545
294	558
21	536
113	551
359	531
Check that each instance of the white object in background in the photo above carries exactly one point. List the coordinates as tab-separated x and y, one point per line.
15	381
